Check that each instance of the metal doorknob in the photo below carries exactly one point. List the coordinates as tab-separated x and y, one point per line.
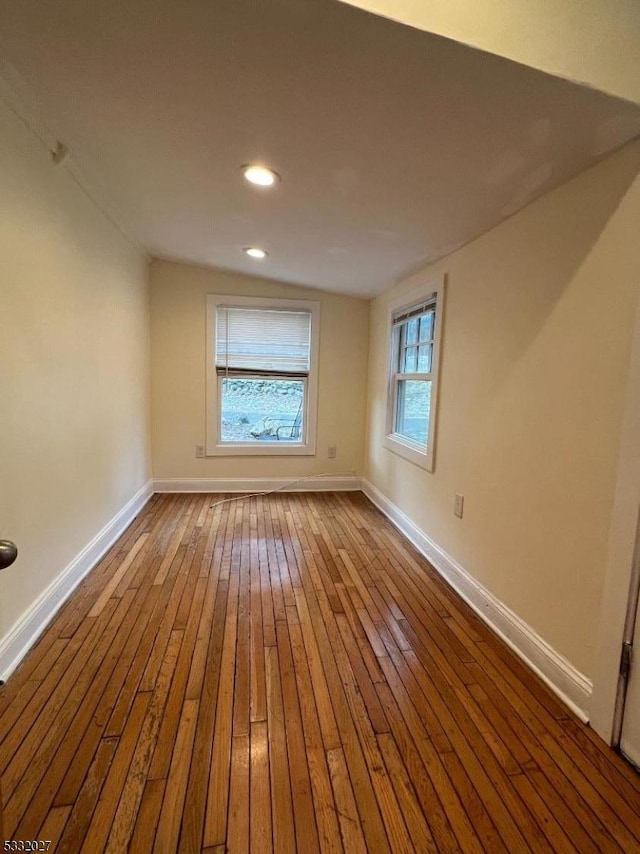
8	553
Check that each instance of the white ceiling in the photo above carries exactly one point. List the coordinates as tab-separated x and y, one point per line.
394	146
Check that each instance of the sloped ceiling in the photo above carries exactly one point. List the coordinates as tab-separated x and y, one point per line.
594	42
395	146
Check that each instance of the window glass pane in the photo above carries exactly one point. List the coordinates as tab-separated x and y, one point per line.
410	360
261	410
426	326
412	414
412	331
424	358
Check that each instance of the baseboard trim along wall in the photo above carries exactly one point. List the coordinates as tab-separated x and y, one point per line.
560	675
322	482
573	688
21	637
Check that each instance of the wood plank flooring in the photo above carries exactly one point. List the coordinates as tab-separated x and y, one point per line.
286	673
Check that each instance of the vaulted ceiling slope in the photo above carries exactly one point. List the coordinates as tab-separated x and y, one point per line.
593	42
395	146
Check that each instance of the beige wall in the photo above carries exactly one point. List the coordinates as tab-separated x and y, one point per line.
74	346
538	323
178	302
596	42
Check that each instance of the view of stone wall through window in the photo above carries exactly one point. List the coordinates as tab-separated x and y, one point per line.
259	410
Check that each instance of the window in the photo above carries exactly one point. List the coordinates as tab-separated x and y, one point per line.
262	360
414	329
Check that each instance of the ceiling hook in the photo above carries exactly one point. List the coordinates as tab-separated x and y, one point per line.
59	155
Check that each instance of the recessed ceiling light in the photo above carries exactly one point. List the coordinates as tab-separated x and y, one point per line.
254	252
260	175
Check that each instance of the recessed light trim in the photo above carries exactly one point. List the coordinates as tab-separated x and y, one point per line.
260	176
255	252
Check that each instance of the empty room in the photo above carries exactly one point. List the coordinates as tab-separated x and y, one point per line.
319	426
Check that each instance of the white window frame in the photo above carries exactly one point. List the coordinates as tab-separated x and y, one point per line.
421	455
214	445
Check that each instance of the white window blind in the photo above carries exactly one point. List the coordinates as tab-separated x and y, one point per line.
407	313
257	340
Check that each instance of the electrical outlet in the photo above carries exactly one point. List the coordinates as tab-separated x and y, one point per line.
332	452
200	452
458	505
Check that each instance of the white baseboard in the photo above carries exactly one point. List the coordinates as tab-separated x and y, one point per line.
573	688
325	483
21	637
560	675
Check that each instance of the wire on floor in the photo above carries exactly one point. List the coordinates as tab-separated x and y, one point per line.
284	486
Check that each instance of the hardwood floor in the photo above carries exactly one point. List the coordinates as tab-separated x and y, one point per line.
286	673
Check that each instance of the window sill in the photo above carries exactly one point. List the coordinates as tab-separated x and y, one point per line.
417	454
262	449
